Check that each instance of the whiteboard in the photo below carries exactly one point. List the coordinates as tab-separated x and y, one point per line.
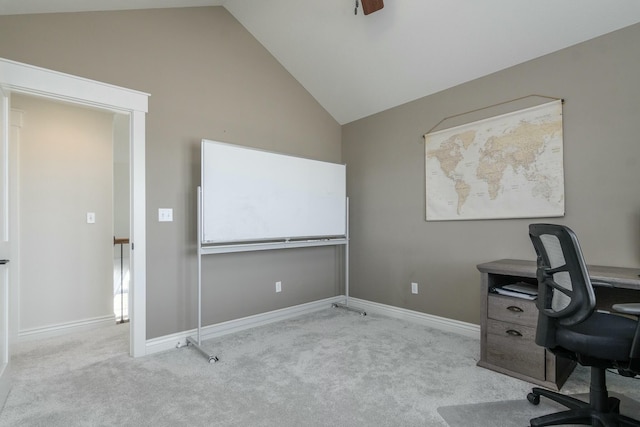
250	195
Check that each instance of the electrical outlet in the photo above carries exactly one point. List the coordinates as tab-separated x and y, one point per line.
414	288
278	286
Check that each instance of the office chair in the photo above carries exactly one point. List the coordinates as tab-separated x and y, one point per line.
569	326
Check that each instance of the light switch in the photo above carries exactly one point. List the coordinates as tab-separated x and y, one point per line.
165	215
91	217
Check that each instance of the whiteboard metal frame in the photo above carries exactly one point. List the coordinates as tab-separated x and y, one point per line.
285	244
197	342
346	271
207	249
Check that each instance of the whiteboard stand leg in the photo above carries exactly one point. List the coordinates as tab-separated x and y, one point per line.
193	342
345	306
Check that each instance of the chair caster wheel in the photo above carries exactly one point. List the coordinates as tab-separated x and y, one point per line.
533	398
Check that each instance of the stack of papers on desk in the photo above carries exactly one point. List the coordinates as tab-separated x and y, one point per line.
518	290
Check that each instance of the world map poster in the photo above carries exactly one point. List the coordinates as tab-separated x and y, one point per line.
508	166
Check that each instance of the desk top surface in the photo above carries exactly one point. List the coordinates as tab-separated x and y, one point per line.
619	277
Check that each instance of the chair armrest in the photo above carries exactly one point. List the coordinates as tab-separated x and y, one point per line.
601	284
628	308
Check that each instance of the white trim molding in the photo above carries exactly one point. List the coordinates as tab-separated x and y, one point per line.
177	340
66	328
470	330
34	80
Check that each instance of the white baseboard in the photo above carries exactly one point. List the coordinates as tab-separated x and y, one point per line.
168	342
179	339
66	328
470	330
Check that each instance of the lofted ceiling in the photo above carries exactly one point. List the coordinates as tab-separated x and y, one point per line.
357	65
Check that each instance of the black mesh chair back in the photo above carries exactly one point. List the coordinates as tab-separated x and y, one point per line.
565	293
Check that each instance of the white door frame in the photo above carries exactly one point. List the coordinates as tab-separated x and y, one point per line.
30	80
6	249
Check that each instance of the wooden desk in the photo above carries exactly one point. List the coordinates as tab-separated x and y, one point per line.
507	324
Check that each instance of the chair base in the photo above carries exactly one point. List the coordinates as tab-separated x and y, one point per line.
601	411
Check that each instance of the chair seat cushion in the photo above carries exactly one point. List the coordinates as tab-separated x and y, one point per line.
602	335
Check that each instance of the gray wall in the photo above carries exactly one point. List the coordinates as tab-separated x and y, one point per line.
65	171
392	244
208	78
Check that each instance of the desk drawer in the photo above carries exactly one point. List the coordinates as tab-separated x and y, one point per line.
513	310
513	347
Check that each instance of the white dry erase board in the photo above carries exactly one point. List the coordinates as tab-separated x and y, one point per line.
249	195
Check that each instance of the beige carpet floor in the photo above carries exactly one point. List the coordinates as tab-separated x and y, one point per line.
329	368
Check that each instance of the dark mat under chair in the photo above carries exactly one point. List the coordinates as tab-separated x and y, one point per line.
515	413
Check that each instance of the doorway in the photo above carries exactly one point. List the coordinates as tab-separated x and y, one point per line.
29	80
71	208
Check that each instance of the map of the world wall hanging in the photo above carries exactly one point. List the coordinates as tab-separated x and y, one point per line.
508	166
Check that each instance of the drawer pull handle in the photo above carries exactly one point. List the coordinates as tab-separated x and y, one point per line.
513	333
515	309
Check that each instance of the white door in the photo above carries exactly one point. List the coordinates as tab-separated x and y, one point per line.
5	248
